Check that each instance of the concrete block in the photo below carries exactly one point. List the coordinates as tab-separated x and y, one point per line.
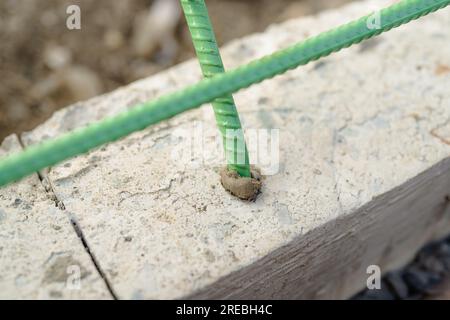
362	177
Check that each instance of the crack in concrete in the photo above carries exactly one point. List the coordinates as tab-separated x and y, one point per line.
43	178
337	190
48	186
136	194
434	133
76	174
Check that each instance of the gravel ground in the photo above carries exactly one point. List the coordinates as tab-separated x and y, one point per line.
426	277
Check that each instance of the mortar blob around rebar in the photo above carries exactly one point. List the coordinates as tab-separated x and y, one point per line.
242	187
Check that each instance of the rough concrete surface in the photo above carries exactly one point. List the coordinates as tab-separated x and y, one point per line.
364	171
40	254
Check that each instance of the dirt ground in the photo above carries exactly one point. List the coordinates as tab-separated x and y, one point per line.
45	66
426	277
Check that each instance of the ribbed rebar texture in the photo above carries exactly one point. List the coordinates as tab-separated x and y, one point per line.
227	117
82	140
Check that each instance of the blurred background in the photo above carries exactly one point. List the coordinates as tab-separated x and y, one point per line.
44	66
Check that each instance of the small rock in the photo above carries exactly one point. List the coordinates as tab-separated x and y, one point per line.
444	249
17	111
155	27
434	264
419	280
57	57
17	202
397	283
113	39
81	82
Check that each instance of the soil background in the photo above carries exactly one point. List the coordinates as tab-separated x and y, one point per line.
44	66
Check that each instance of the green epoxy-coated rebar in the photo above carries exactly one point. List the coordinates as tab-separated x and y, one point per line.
82	140
227	117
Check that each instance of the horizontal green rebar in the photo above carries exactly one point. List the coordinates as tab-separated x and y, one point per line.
37	157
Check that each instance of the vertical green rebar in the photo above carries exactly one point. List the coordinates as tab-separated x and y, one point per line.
227	117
